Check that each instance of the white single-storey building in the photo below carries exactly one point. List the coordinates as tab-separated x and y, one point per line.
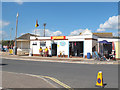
73	46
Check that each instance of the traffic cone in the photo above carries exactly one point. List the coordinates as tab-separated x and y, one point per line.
99	81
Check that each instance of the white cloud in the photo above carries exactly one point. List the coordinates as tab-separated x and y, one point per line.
57	33
20	2
3	23
100	29
110	24
3	34
119	32
0	32
115	34
22	33
77	32
40	32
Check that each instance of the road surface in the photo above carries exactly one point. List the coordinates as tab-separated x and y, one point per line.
74	75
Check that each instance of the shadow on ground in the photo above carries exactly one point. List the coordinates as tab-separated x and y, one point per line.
3	64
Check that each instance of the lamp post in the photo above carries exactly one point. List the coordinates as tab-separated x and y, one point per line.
16	35
44	28
10	36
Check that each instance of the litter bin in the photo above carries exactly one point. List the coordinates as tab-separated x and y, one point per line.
88	55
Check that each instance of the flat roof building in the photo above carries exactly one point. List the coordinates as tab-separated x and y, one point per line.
74	46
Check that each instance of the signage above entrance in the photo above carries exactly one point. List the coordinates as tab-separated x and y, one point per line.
58	37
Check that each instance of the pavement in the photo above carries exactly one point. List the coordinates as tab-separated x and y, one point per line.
57	59
17	80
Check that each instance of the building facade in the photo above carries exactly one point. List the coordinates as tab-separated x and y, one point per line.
72	46
23	44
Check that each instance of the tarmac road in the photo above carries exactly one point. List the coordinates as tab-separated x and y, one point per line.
74	75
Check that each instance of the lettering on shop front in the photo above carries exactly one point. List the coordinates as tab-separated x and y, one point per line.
58	37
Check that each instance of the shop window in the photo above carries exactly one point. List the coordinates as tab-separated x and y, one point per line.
34	43
42	43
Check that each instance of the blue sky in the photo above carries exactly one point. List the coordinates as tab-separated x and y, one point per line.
62	18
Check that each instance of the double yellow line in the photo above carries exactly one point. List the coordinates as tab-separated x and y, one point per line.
58	82
51	78
55	80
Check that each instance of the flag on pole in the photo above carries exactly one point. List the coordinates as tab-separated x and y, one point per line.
36	23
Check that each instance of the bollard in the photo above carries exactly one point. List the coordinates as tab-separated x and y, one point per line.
99	81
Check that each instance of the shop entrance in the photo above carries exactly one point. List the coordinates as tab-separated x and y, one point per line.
105	49
54	49
76	48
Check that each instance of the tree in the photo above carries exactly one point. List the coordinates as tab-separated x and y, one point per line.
7	42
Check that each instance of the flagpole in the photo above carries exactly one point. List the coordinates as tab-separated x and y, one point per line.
16	35
35	30
44	28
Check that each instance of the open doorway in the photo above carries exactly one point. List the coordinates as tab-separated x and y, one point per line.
107	49
76	48
54	49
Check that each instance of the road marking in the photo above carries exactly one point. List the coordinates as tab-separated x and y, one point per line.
47	77
53	79
57	81
34	76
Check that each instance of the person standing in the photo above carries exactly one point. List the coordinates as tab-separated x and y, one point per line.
46	51
50	51
41	51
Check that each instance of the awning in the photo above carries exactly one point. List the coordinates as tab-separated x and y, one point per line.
105	42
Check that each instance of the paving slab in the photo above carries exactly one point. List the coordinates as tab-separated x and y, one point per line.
15	80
